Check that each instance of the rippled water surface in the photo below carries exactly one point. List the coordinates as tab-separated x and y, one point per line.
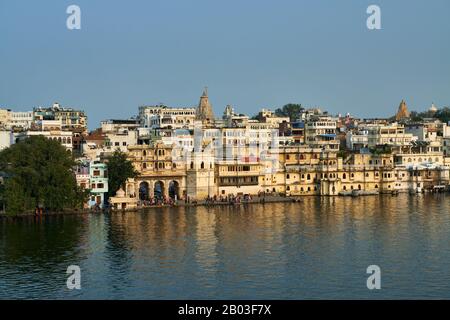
319	248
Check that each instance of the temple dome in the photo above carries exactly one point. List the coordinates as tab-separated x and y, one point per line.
120	193
433	108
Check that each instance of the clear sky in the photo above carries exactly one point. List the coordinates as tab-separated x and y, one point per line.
250	53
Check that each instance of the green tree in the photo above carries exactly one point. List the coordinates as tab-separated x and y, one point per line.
119	170
443	114
290	110
39	173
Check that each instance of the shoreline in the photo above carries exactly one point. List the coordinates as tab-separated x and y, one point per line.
203	203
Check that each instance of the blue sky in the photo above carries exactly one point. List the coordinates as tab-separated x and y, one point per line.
251	54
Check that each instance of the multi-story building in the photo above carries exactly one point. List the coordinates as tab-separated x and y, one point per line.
98	179
20	119
161	116
119	134
68	117
63	137
392	134
357	140
162	172
320	132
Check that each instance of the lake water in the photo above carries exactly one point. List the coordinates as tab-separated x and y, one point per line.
319	248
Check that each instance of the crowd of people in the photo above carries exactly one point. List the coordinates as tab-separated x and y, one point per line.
209	200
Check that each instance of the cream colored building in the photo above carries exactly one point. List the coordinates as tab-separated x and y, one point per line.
392	134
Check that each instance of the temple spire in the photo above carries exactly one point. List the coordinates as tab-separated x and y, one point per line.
204	110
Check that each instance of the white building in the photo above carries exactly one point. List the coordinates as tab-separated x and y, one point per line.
18	119
63	137
357	140
166	117
119	134
6	139
393	134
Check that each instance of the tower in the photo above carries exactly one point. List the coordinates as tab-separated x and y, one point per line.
402	112
204	109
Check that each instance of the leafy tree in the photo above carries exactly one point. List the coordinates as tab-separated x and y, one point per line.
443	114
39	173
290	110
119	170
415	116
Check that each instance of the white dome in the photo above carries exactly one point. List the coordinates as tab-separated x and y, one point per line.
120	193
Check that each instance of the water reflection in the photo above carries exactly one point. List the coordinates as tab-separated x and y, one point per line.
319	248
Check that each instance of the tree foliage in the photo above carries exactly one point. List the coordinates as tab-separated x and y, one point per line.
442	114
39	173
119	170
290	110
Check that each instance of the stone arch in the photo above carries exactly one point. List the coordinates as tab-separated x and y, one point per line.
158	190
174	189
144	190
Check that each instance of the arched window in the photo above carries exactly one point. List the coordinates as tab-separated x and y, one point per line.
202	165
308	177
344	176
192	165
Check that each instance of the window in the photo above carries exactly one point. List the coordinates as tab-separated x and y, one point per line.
96	173
202	165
